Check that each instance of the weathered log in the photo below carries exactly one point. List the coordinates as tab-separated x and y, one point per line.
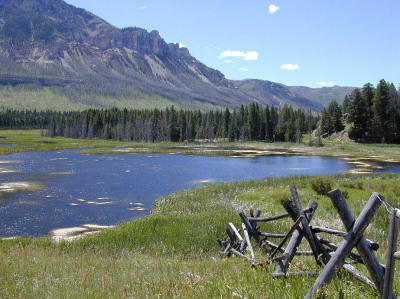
237	253
251	230
273	245
353	256
294	242
276	259
334	247
371	262
288	235
233	227
273	218
232	236
254	223
358	275
312	240
308	273
352	238
243	245
319	229
227	250
246	236
390	262
271	235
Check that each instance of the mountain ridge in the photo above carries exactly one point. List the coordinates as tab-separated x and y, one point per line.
52	39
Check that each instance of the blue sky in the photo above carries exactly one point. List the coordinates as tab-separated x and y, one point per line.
311	42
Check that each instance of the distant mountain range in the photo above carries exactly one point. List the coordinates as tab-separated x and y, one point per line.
49	48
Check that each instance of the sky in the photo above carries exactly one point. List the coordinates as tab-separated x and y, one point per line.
313	43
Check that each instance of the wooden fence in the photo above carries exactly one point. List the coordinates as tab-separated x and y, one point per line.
328	255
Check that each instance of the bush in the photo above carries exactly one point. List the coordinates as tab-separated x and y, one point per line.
321	185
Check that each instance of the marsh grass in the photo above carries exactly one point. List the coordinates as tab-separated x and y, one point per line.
173	252
33	140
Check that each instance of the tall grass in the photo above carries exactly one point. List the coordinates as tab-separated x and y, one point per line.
173	252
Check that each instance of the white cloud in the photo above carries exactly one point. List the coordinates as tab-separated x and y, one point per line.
250	55
325	84
142	7
243	69
228	61
290	67
273	8
181	45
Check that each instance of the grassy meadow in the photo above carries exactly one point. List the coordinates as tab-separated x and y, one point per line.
35	140
173	252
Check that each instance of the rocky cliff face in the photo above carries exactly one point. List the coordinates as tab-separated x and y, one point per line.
50	38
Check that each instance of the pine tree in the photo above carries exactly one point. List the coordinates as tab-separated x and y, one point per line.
380	109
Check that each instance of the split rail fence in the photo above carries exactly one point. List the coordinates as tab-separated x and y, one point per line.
327	254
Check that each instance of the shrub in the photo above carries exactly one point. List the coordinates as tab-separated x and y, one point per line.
321	185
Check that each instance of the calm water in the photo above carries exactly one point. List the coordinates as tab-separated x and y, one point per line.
110	189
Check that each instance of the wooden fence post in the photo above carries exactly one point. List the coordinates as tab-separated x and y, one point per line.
250	228
316	247
294	242
345	247
390	262
363	247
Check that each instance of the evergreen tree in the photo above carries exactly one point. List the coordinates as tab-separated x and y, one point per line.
380	120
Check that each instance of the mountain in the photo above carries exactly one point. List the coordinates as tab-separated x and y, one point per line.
56	56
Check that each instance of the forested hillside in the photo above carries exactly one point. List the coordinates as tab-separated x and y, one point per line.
372	114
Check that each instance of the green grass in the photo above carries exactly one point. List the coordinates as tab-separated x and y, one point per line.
32	140
53	98
173	252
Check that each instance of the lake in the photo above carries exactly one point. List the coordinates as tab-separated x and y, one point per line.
110	189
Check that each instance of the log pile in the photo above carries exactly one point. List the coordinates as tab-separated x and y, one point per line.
326	254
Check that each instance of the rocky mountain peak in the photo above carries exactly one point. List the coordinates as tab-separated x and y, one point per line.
52	39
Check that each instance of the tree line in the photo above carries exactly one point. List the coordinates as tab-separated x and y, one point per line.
24	119
251	122
371	114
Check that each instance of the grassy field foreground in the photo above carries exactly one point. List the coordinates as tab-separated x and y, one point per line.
174	253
